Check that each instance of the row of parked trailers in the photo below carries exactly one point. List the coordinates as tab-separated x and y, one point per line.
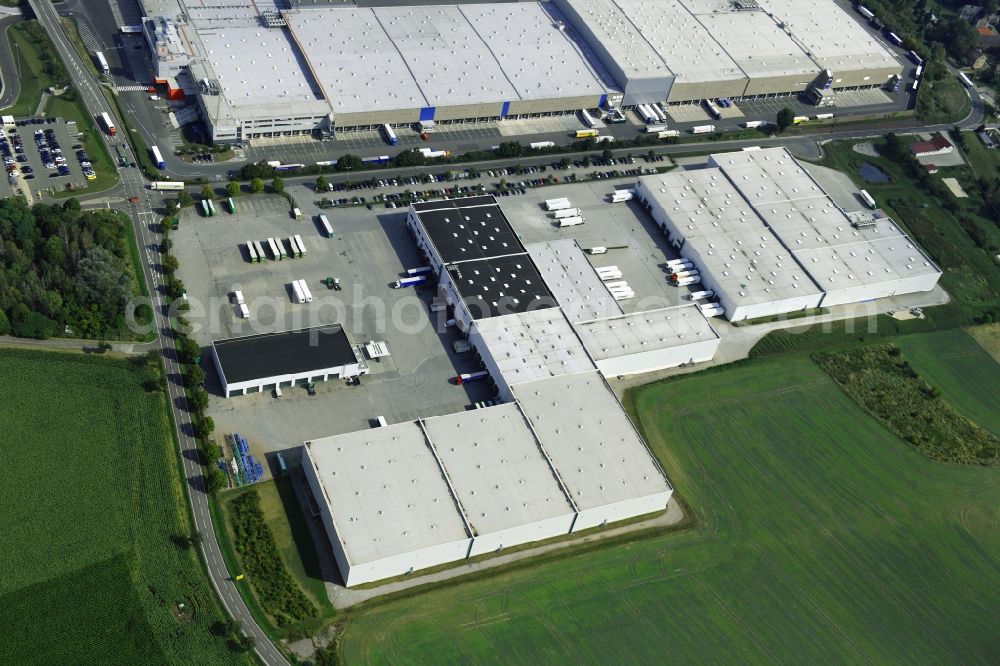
277	247
611	276
683	273
652	113
301	292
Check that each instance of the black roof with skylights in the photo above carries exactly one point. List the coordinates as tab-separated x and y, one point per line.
468	229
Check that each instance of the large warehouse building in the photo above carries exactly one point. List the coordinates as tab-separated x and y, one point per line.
260	70
562	457
768	240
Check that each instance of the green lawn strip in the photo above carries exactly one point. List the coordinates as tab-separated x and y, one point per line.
817	533
93	572
965	373
32	78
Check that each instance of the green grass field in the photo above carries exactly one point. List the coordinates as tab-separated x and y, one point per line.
91	501
820	538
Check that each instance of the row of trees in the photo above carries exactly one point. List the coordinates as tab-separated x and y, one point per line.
62	267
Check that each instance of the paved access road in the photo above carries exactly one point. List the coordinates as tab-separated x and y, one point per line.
144	220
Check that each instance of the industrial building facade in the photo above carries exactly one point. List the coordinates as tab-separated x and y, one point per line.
262	70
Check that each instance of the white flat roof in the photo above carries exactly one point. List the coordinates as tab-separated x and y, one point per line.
589	439
539	60
255	66
832	36
385	491
767	175
496	468
640	332
571	278
620	37
756	43
534	345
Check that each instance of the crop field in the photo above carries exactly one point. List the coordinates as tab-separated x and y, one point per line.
988	337
966	374
819	537
93	564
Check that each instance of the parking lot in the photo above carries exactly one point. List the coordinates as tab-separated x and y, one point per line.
636	245
43	153
369	250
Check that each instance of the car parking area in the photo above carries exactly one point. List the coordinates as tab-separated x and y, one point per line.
368	252
635	244
44	153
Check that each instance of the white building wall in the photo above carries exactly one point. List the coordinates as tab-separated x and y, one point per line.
321	499
476	339
881	290
320	374
537	531
658	359
397	565
423	241
630	508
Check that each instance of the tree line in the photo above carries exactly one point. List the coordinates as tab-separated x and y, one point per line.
63	270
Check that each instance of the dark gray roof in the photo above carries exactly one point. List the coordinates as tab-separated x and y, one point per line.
500	286
468	229
291	352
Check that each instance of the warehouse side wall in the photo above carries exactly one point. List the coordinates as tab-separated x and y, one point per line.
323	501
658	359
630	508
870	292
537	531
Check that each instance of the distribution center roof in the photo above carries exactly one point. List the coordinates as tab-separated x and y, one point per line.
589	439
534	345
468	229
500	286
386	493
291	352
645	331
497	469
570	276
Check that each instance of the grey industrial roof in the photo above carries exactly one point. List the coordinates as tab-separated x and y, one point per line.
497	469
292	352
500	286
468	229
534	345
440	55
834	38
756	43
256	66
386	492
590	440
640	332
571	278
619	36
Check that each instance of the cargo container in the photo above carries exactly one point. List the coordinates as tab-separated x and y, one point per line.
325	223
556	204
566	212
571	221
252	251
302	246
297	294
274	249
166	185
703	129
260	251
293	247
422	270
158	158
305	291
750	124
409	281
537	145
232	205
867	13
102	63
651	129
586	133
867	198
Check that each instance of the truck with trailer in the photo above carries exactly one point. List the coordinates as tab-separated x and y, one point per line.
652	129
430	153
538	145
867	13
252	251
102	63
587	133
571	221
667	134
109	125
158	158
751	124
420	270
238	297
302	246
166	186
389	135
867	198
917	60
468	377
605	139
619	196
325	223
409	281
712	109
702	129
557	204
895	39
966	81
